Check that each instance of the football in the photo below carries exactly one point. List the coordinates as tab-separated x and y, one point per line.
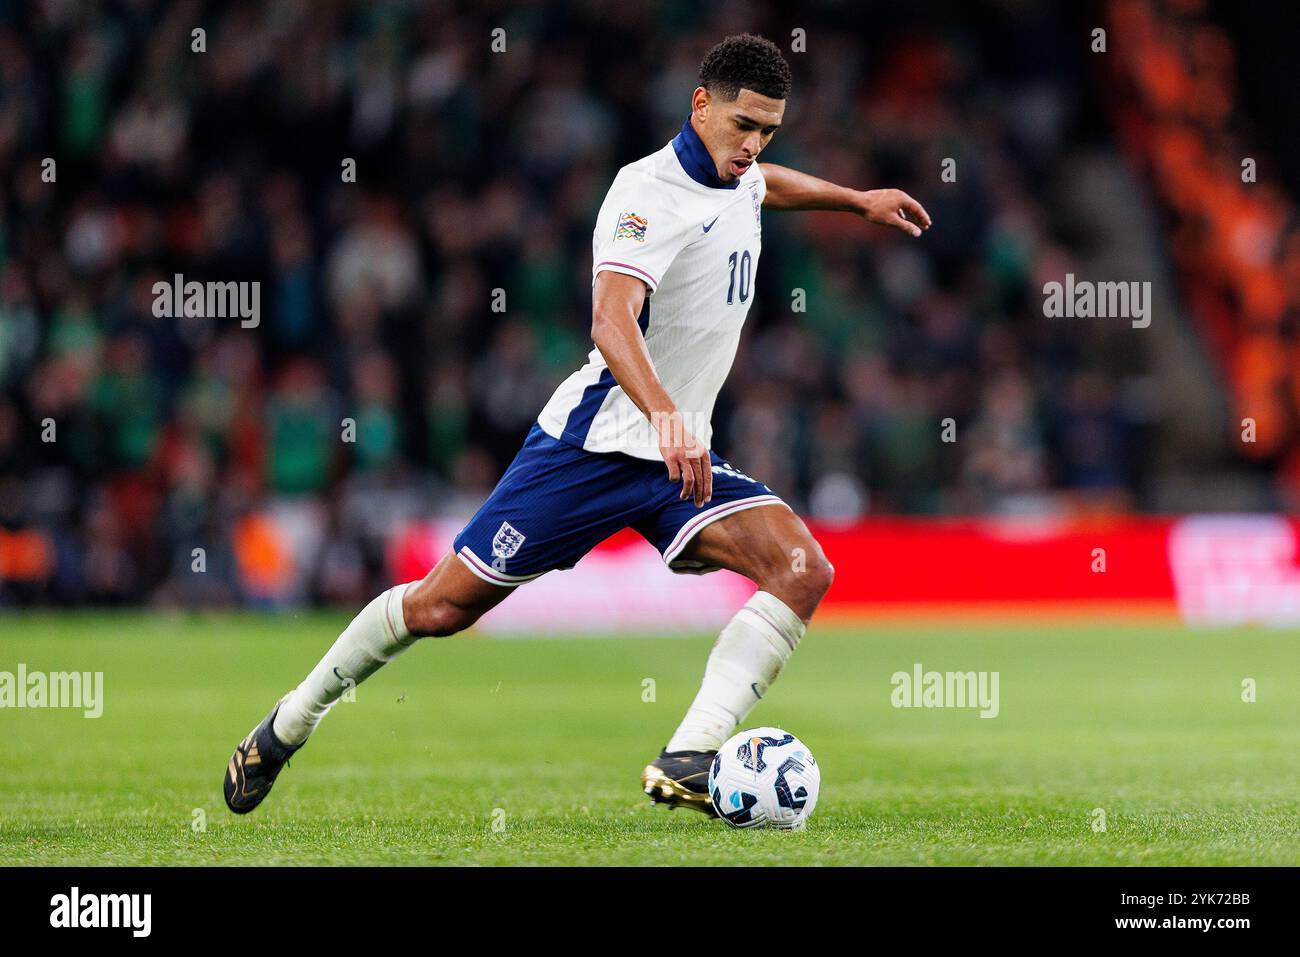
764	777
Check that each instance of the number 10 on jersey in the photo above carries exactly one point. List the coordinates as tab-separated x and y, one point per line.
745	271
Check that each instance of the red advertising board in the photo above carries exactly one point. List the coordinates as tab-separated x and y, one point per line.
1206	569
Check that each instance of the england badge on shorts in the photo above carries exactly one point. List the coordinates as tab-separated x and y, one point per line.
507	541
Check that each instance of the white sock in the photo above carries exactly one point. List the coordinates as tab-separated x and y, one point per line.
376	636
746	658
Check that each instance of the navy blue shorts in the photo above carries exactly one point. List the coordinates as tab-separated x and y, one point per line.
556	502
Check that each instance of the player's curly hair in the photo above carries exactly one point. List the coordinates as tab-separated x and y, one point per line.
745	61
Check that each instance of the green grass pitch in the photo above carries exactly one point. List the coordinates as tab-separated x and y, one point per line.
547	737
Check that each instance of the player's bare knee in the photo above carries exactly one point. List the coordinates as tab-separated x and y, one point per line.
803	583
813	581
820	575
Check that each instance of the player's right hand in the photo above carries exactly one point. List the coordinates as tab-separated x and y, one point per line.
687	459
893	207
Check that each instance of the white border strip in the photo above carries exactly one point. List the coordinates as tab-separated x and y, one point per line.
490	574
693	527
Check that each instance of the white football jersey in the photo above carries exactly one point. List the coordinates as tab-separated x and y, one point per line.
669	221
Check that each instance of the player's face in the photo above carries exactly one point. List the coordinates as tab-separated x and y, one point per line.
735	132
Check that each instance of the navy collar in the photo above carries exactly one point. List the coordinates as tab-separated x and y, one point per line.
695	159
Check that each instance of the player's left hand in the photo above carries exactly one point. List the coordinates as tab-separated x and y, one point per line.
893	207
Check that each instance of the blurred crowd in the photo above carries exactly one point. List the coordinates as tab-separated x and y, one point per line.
1234	231
136	450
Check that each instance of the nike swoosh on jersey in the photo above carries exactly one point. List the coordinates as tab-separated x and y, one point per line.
710	226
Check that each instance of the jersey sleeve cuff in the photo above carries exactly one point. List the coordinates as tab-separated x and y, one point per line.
627	269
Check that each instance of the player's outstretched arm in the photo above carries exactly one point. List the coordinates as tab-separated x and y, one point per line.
616	302
792	190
